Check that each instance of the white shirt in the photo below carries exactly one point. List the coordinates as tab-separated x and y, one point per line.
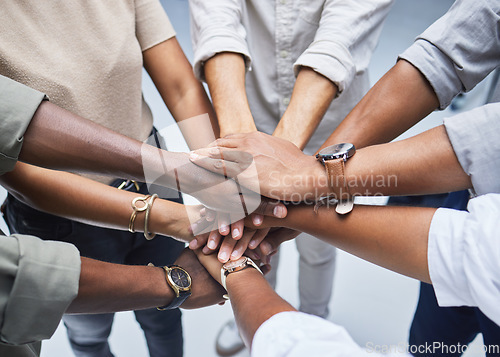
464	256
334	37
296	334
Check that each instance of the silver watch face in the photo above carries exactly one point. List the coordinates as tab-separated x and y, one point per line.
337	151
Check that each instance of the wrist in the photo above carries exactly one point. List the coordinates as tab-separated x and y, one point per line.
317	183
162	292
244	278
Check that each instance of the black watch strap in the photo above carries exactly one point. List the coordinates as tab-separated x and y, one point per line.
177	301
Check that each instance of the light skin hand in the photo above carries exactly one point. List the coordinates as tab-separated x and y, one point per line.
423	164
284	172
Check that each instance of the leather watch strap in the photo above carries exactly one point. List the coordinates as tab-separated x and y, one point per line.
337	181
177	301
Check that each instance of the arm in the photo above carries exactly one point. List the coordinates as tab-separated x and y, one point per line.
393	237
88	147
225	75
56	192
400	99
330	63
311	97
106	287
441	63
183	94
252	298
422	164
221	57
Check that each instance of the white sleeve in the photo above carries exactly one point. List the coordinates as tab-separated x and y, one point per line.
216	26
464	256
296	334
347	35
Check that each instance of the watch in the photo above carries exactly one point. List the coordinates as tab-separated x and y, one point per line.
334	158
234	266
180	281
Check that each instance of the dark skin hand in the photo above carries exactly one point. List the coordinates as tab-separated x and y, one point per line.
106	287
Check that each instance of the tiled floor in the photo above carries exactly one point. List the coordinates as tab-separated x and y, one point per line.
375	305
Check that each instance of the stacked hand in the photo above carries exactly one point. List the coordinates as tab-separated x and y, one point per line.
271	167
280	170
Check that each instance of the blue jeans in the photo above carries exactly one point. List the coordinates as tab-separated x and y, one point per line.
449	326
88	334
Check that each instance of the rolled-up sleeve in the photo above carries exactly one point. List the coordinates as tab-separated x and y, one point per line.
474	136
460	49
216	26
18	104
347	35
38	280
464	256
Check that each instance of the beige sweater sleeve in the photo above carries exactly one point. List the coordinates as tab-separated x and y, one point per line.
152	25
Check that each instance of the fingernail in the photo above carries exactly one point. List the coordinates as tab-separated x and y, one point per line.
223	256
252	244
193	244
211	244
236	232
235	254
257	220
205	250
278	211
265	247
224	229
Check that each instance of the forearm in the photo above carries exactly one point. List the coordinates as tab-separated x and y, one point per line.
106	287
253	301
423	164
400	99
97	204
57	138
392	237
225	75
182	93
252	298
311	97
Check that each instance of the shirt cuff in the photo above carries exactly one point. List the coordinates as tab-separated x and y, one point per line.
437	68
18	104
478	153
45	283
331	60
446	249
218	43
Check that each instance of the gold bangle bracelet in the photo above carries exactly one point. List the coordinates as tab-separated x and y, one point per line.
137	209
146	219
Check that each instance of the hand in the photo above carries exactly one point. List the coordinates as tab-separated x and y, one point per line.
270	244
205	290
282	170
222	220
230	246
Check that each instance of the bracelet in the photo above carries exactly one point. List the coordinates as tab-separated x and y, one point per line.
136	210
146	219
